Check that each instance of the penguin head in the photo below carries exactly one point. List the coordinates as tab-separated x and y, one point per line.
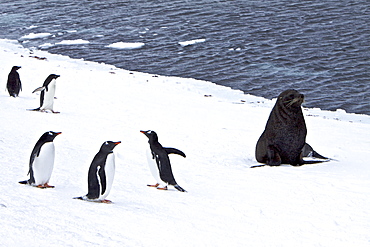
108	146
150	134
53	76
50	78
49	136
16	68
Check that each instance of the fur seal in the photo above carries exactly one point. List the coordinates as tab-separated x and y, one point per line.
284	139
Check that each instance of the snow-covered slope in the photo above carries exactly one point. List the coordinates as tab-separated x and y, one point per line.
227	204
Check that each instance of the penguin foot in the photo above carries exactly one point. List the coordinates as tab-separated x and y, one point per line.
106	201
49	186
85	198
155	185
44	186
160	188
49	110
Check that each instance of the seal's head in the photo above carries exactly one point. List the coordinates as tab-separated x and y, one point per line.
290	99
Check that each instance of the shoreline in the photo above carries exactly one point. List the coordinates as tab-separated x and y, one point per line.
209	89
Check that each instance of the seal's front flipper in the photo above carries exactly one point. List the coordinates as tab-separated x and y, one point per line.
307	151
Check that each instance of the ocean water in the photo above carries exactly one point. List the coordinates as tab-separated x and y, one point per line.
262	47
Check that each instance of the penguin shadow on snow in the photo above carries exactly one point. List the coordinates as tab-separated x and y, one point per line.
159	162
47	94
101	174
42	161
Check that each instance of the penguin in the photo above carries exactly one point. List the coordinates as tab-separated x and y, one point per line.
101	174
14	84
47	94
159	162
42	161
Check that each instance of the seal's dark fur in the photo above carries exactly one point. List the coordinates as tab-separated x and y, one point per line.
285	134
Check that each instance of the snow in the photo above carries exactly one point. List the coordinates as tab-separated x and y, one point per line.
126	45
227	203
192	42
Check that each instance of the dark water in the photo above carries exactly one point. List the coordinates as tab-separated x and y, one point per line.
319	47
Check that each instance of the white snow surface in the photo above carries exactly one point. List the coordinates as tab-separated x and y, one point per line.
227	203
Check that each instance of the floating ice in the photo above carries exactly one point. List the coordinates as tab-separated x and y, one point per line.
35	36
124	45
73	42
46	45
192	42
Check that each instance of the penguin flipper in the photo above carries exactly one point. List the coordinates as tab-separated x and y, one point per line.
23	182
39	89
93	184
103	180
174	151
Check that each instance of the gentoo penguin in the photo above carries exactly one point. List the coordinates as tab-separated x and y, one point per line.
47	94
42	161
14	84
101	174
159	162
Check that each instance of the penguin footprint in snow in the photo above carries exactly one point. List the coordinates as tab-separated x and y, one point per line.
42	161
101	174
159	162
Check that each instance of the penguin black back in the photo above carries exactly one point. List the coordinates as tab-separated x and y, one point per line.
45	85
96	175
48	136
14	84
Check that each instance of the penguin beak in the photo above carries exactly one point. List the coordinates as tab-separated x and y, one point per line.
142	131
58	133
117	143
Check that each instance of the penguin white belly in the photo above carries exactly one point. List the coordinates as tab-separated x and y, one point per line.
43	164
110	168
154	168
48	103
